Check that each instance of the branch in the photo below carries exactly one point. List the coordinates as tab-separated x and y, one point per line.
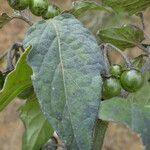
146	67
22	16
106	61
124	56
142	48
142	20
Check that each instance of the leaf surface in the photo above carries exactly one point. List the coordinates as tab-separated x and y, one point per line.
67	62
124	37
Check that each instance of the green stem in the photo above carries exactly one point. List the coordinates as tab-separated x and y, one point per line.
100	130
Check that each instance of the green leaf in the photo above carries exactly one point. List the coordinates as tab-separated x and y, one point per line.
81	7
26	93
134	112
67	62
16	82
4	19
38	130
131	6
124	37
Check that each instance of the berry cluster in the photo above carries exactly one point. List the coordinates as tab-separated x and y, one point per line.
37	7
130	80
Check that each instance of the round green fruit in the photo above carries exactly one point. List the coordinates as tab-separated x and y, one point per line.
51	12
132	80
38	7
111	88
116	70
18	4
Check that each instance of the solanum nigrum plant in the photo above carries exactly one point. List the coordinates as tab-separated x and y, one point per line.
65	74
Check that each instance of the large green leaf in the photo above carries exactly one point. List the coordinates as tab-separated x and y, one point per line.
38	130
131	6
16	82
81	7
4	19
134	112
124	37
67	62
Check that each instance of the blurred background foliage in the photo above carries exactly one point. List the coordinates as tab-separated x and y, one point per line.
11	128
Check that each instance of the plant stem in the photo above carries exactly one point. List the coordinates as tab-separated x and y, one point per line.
142	20
124	56
22	16
106	61
100	130
146	66
142	48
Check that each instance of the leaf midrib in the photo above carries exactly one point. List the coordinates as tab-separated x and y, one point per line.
63	74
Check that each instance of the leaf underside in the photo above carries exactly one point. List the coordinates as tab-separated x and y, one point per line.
134	112
67	63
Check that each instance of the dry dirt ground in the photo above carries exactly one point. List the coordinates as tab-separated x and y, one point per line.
11	128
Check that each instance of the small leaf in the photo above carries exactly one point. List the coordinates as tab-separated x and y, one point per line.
16	82
124	37
37	129
67	62
81	7
131	6
4	19
134	112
